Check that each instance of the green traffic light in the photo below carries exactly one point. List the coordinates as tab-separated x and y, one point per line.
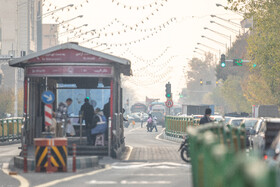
168	95
254	65
223	64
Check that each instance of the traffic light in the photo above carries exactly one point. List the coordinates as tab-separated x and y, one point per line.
201	82
223	60
168	90
237	62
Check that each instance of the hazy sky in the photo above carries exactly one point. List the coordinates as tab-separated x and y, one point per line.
158	39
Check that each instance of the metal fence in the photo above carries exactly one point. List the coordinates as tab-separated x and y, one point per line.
10	129
219	157
177	126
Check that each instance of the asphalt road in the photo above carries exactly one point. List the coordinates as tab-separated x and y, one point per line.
150	162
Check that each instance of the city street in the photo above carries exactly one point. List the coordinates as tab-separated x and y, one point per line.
150	161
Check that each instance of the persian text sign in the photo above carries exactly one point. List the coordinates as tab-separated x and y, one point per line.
68	55
68	71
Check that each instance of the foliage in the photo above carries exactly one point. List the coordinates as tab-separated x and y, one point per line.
6	101
233	95
257	91
263	44
200	70
238	50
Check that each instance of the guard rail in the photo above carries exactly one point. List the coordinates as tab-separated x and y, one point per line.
10	129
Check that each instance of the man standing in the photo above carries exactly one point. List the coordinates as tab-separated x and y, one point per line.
206	117
87	113
62	116
107	110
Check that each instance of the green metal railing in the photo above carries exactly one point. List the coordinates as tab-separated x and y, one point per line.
10	129
177	126
218	158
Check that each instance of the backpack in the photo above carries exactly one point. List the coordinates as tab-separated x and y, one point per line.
150	120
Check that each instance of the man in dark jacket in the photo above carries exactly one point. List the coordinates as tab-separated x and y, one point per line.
87	111
206	117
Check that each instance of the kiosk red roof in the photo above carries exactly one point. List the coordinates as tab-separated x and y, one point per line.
71	53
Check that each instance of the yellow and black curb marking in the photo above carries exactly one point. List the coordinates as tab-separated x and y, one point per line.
58	153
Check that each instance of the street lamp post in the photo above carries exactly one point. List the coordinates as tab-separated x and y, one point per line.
75	28
220	5
89	40
39	24
79	35
228	28
221	34
200	49
228	21
211	48
220	43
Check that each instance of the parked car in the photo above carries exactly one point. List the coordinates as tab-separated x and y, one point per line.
268	131
249	125
217	118
254	131
235	121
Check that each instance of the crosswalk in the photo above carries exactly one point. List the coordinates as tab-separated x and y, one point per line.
144	174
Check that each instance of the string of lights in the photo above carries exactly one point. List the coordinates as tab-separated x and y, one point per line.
139	7
135	27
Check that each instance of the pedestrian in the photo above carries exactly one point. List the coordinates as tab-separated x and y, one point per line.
206	117
62	117
142	119
154	125
149	123
107	109
87	114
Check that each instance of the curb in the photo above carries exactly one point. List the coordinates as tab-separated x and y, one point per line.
171	138
10	142
81	162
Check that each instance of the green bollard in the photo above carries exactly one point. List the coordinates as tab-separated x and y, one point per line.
13	129
17	128
8	138
2	125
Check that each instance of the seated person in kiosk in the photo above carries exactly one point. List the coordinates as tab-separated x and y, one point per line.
99	125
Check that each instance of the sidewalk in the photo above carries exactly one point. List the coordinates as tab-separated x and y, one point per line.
82	162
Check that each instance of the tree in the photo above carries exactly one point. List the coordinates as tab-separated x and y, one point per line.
263	43
233	95
6	101
200	71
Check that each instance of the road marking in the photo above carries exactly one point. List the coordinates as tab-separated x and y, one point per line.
129	152
22	180
52	183
164	140
145	182
134	129
160	165
154	175
101	182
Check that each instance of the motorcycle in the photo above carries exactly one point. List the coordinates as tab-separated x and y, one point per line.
184	148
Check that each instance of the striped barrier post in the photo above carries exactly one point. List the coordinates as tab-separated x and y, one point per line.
50	168
74	158
58	151
25	158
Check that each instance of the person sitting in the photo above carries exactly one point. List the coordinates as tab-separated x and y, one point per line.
100	125
206	117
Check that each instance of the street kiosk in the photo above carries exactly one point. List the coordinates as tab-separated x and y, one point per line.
72	71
